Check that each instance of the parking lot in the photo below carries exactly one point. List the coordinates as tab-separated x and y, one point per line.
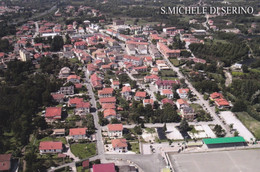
230	118
226	161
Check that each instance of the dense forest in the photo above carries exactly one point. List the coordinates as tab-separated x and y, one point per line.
24	92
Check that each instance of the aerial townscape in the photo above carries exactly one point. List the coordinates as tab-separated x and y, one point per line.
116	86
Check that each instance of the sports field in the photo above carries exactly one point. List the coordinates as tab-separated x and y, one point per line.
226	161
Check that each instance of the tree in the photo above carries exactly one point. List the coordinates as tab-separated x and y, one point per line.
239	106
164	127
219	131
57	43
184	125
245	68
138	130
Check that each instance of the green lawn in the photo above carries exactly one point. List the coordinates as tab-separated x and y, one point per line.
135	147
196	107
83	150
80	169
167	73
62	139
176	62
252	124
150	130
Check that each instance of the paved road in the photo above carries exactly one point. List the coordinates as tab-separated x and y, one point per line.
228	78
100	144
204	103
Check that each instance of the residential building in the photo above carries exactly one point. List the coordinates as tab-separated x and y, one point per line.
148	102
115	130
168	53
78	133
50	147
166	100
119	145
64	72
183	92
96	81
115	84
105	92
73	79
109	100
151	78
215	96
140	95
5	162
222	103
67	90
109	113
166	84
109	167
181	103
58	97
188	113
126	92
59	132
53	113
168	93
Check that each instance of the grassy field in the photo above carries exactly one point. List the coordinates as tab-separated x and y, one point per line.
252	124
176	62
80	169
135	147
83	150
62	139
150	130
167	73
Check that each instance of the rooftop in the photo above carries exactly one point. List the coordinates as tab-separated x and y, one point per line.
224	140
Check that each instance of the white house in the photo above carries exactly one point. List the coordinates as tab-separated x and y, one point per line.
50	147
115	130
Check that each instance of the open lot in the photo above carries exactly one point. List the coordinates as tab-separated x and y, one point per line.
230	118
228	161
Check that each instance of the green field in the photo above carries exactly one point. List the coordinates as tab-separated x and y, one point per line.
176	62
62	139
252	124
135	147
167	73
83	150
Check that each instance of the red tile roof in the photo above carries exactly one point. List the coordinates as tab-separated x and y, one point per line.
75	100
140	94
107	100
53	112
47	145
115	127
85	164
73	77
83	105
216	95
165	101
116	82
109	167
167	91
183	90
126	89
5	162
77	131
149	101
108	106
57	96
222	102
119	143
105	91
109	112
181	101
